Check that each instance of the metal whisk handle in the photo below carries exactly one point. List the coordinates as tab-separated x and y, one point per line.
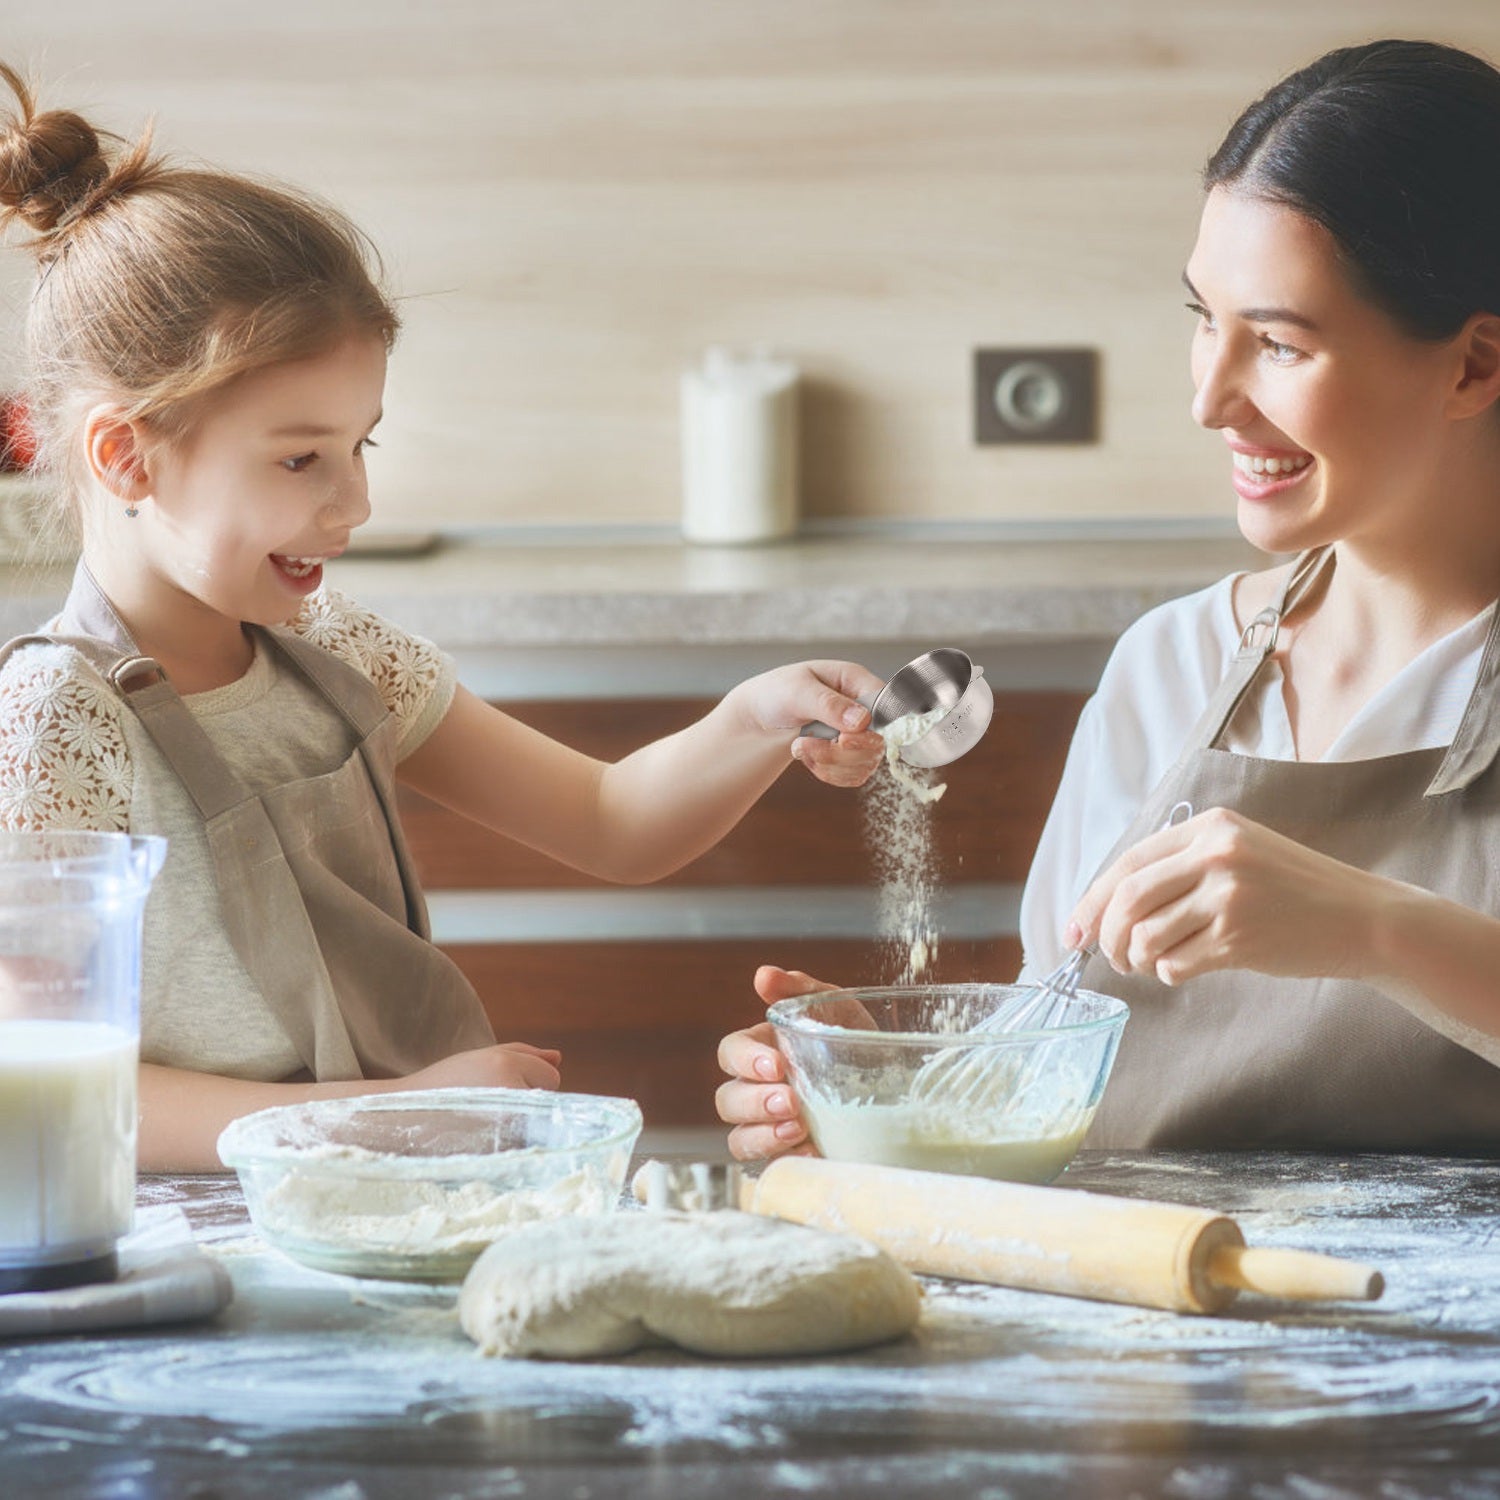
1063	980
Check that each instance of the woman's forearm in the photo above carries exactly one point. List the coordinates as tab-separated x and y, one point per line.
1440	960
183	1112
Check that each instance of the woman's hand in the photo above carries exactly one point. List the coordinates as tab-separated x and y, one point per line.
758	1101
506	1065
780	702
1221	892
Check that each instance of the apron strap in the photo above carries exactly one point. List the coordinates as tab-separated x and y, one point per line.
356	698
182	741
1477	739
92	626
351	694
1257	642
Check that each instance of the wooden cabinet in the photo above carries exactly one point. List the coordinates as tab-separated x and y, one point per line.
643	1016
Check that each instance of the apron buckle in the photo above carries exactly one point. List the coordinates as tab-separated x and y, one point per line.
135	673
1270	618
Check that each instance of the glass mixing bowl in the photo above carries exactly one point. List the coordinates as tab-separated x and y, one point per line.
903	1077
413	1186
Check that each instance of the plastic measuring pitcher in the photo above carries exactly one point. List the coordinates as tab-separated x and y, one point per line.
70	985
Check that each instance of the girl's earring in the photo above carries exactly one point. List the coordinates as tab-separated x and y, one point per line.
132	510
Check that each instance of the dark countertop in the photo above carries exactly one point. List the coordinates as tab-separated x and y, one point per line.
313	1385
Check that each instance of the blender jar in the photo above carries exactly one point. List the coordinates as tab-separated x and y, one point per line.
70	978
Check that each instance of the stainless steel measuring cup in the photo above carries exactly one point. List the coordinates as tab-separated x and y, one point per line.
946	679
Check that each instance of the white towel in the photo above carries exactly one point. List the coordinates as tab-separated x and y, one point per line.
164	1278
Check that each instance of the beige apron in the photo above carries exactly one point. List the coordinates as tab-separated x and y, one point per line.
315	880
1239	1059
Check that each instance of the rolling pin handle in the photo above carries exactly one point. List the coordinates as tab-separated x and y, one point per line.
1298	1275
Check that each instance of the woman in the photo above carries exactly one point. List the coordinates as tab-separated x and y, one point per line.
1313	959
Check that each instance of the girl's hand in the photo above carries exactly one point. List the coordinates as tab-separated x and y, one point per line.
758	1101
1221	892
507	1065
782	701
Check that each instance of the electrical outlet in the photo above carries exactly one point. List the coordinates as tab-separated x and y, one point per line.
1036	395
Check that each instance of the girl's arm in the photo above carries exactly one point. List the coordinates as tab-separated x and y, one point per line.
663	805
182	1113
1222	892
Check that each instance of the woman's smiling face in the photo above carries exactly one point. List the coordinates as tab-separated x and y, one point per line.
1334	416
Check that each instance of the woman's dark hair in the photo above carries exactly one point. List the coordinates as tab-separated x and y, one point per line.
1394	148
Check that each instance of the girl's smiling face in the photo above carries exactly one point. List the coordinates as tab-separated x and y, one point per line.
1334	416
270	482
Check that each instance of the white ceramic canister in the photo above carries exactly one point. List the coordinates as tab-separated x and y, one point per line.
739	447
70	972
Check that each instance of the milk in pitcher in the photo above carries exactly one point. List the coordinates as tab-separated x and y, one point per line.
67	1138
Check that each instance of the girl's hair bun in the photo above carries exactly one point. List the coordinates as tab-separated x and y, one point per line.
49	163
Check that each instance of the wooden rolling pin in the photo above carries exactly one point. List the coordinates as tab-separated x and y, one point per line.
1048	1239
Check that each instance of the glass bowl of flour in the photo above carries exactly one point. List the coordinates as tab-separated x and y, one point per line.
414	1186
907	1077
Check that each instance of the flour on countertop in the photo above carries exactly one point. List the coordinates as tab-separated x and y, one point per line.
1008	1377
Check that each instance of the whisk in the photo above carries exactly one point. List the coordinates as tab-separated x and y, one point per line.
964	1077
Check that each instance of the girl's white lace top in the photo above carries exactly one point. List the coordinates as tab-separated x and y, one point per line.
64	759
72	755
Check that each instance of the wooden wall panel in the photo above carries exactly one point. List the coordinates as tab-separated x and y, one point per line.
644	1019
576	197
802	832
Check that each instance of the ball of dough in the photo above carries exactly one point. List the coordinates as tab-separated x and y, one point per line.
724	1283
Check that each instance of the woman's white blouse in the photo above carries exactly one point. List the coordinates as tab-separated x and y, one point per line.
1157	682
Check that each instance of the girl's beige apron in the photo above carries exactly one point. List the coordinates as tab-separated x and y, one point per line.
1238	1059
314	877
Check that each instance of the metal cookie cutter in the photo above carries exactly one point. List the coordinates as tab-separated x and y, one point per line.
690	1186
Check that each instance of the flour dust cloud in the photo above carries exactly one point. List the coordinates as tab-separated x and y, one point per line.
898	820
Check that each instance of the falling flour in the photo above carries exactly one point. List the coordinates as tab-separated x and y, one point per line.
907	730
898	829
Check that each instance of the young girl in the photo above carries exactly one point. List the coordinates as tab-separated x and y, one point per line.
207	360
1311	960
